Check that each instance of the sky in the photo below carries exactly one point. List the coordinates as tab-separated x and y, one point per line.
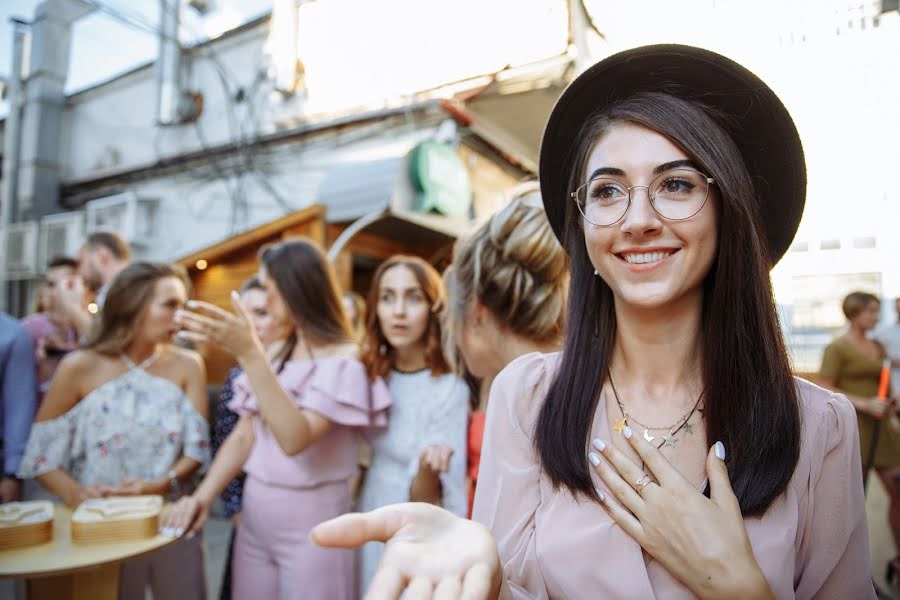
102	46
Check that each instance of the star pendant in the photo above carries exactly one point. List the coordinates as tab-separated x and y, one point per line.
669	440
619	426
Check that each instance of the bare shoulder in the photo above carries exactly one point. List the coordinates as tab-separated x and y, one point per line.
187	361
80	372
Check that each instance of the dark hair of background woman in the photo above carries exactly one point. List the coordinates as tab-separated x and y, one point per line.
378	355
307	282
750	400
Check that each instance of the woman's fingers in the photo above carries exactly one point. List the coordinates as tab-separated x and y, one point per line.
419	588
618	484
240	310
387	584
354	529
477	584
191	336
210	309
720	490
449	588
624	519
656	463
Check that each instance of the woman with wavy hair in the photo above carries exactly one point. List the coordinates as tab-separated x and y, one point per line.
506	297
126	415
421	456
667	452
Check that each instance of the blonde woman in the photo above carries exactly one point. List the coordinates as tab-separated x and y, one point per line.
126	415
506	297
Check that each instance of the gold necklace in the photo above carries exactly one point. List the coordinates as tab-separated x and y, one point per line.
669	439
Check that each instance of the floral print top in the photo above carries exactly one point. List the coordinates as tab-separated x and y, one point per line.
137	425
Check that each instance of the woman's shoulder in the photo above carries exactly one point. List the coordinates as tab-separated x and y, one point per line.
522	385
184	358
827	418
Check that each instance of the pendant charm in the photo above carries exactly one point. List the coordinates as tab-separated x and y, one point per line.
647	435
619	426
669	440
688	428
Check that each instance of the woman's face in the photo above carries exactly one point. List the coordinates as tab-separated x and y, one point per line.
648	261
275	305
403	309
867	318
158	322
267	328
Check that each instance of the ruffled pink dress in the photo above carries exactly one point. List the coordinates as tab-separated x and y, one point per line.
286	496
811	543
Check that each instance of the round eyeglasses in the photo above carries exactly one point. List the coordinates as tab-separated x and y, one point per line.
675	195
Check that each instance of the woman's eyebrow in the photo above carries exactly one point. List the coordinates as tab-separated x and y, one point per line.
676	164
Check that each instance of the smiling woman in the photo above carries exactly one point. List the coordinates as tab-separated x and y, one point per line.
666	452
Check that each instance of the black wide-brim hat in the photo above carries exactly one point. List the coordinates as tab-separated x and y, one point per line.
758	122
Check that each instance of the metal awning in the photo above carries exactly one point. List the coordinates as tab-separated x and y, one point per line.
377	196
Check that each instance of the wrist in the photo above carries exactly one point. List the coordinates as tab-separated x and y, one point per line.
749	583
251	357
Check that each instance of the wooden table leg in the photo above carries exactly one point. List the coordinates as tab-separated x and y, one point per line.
99	583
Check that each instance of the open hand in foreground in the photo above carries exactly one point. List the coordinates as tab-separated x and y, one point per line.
429	552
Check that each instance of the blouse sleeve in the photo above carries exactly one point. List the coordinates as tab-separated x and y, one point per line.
340	390
195	435
52	445
508	492
450	430
834	558
832	361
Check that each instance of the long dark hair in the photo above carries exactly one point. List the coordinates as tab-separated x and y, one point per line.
307	282
751	402
378	354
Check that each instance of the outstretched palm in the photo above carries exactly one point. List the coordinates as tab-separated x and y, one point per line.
429	552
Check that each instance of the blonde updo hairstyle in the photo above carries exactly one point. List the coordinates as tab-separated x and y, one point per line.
514	266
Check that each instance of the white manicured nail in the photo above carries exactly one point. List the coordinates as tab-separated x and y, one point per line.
595	460
719	449
599	445
190	535
627	432
191	303
601	495
178	532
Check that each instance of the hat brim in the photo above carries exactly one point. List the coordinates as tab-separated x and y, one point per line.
759	124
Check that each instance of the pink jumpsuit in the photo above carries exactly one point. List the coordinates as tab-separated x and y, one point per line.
286	496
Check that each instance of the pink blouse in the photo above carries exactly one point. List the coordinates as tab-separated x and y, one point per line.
336	388
812	542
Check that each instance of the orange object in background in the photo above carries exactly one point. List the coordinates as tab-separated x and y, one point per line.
884	380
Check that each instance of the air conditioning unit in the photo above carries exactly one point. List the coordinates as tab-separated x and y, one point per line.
60	235
131	216
21	244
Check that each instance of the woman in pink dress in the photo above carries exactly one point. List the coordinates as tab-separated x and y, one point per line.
667	452
298	432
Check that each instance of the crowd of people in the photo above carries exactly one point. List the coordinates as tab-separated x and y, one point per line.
593	400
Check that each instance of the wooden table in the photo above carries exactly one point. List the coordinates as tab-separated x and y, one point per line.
61	569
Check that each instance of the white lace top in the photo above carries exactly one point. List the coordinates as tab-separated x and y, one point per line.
137	425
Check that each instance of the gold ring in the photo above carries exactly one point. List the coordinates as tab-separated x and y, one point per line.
643	482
